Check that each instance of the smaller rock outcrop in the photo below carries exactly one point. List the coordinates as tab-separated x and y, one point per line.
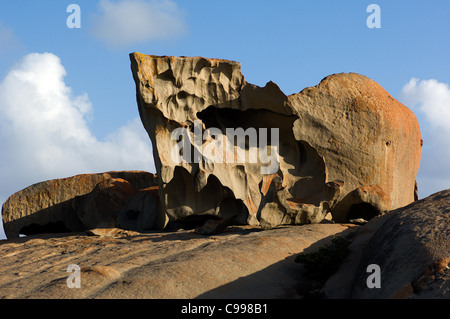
66	205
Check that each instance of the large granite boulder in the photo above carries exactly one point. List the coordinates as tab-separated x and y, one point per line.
229	149
367	137
57	205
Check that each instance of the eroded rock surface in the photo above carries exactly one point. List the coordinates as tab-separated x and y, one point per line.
343	134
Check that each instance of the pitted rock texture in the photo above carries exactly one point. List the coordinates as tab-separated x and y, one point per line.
64	205
343	134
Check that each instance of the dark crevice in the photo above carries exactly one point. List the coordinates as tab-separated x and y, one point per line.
51	227
362	210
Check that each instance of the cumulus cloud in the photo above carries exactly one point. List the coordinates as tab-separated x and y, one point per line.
430	100
129	22
44	133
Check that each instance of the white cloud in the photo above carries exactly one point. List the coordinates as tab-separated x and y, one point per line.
129	22
44	132
430	100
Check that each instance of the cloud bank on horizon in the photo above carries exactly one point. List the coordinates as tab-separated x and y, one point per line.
44	131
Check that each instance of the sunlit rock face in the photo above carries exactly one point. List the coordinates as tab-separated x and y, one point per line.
228	149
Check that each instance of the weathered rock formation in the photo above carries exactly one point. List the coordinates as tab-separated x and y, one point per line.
412	248
70	204
229	152
345	134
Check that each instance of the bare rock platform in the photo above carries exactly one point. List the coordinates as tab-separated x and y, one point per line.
242	262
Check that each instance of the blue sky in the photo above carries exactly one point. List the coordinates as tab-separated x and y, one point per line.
293	43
